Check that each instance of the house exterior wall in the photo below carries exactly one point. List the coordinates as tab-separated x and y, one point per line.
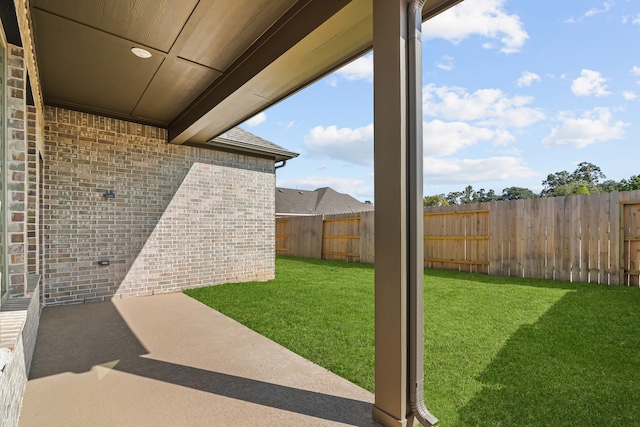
17	342
16	175
20	313
13	382
32	189
181	217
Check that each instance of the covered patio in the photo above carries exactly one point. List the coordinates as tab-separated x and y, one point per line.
200	68
170	360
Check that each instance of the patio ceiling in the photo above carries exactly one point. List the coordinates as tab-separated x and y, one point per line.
214	63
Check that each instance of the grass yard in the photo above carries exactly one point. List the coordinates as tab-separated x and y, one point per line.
498	351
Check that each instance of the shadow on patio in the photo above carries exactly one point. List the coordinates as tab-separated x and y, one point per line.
169	360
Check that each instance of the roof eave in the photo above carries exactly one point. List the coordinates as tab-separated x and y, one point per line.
275	153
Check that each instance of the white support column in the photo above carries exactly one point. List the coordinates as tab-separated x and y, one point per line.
392	406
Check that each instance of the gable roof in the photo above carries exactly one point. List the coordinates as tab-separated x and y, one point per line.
321	201
236	139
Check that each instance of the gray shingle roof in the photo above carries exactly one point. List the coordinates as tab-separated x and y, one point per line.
241	140
322	201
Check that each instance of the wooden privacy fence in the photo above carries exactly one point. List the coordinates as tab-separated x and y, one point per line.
590	238
457	238
348	237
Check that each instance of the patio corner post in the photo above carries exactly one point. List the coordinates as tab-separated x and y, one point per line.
392	405
398	219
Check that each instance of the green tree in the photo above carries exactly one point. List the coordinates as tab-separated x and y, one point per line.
453	198
517	193
575	189
587	173
468	195
554	181
584	180
632	183
609	186
485	196
437	200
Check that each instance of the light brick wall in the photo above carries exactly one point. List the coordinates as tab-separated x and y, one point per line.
20	317
32	199
181	216
16	172
13	382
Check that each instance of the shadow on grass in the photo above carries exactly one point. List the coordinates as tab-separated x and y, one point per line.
577	365
570	359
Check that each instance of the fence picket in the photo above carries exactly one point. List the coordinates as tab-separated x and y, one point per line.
550	242
574	245
583	253
615	239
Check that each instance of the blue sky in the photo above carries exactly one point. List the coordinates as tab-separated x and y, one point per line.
513	90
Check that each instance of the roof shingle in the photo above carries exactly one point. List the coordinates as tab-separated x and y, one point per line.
241	140
322	201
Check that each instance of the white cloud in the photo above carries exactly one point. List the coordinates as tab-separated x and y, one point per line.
629	96
256	120
486	18
594	126
446	64
467	171
446	138
635	71
595	11
527	78
287	125
606	6
634	19
489	107
351	145
590	83
360	69
355	187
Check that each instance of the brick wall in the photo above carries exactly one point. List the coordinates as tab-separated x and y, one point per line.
16	171
13	382
20	318
33	176
181	216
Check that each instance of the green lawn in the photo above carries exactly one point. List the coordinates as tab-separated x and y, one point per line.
498	351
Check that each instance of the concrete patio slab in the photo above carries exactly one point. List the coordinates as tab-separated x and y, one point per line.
168	360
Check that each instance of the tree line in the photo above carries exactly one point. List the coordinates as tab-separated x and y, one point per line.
586	179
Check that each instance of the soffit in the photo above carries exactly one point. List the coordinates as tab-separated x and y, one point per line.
84	52
215	63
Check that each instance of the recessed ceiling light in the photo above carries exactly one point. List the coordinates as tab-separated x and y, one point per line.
141	53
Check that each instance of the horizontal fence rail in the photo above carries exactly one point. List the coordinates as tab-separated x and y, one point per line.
457	237
590	238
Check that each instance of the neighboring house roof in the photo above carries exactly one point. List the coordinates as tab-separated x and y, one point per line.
322	201
237	139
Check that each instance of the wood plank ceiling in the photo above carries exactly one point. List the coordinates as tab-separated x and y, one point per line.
214	63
